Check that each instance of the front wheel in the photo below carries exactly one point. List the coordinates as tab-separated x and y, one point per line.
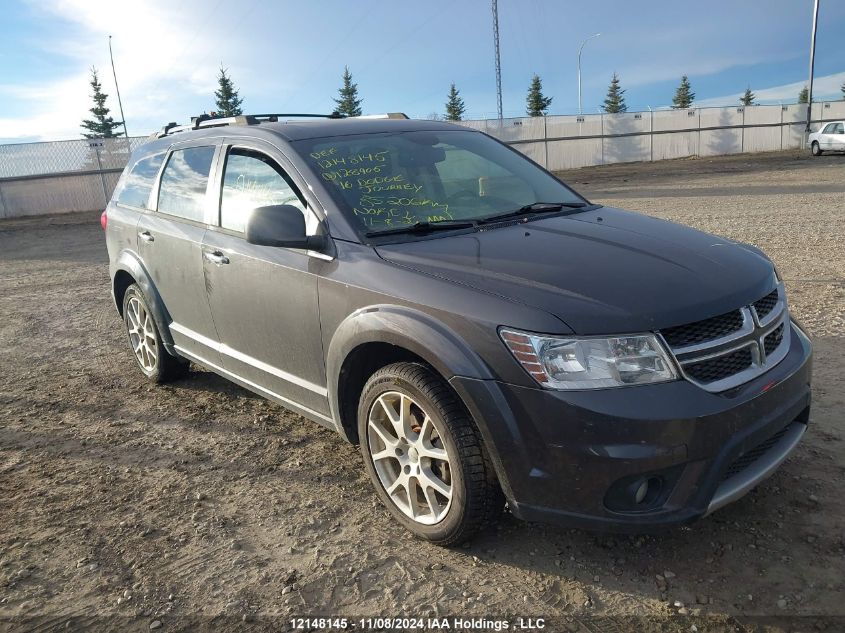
817	151
424	455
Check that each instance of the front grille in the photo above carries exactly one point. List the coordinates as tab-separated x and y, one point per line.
765	305
749	457
773	340
705	330
724	351
720	367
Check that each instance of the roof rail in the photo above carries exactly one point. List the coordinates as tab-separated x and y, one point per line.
207	120
386	115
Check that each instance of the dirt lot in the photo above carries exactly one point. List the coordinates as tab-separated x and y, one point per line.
199	504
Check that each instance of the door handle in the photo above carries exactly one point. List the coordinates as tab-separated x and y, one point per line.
146	236
216	257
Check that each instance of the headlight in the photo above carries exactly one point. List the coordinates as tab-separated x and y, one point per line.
590	363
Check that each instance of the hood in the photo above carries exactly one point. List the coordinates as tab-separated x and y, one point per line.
604	271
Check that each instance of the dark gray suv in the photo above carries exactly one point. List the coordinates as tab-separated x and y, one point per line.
481	330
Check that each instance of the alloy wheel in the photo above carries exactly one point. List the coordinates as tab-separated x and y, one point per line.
141	334
409	457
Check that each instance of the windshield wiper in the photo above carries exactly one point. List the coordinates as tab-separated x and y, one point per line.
535	207
424	227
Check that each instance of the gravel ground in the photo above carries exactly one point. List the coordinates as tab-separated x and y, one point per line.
199	505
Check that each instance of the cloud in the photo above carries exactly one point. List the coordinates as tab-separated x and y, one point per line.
157	46
826	87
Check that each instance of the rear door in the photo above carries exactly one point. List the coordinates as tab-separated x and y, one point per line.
838	136
826	137
170	244
264	299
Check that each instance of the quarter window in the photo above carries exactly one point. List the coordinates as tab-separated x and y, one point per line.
252	180
139	182
184	183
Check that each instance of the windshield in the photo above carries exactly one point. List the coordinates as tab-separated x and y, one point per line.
386	181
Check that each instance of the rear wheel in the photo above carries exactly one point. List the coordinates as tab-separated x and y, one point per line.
153	359
424	455
816	149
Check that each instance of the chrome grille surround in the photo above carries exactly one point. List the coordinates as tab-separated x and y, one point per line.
752	335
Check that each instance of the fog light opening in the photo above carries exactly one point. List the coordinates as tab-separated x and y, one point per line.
642	491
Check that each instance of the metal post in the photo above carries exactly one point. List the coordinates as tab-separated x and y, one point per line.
117	90
97	143
812	64
579	68
498	61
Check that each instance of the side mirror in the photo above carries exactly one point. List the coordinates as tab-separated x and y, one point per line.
281	225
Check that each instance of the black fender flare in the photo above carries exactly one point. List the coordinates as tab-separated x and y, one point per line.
130	263
403	327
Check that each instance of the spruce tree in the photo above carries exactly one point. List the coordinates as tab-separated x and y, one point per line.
455	107
228	100
748	98
102	125
349	104
684	96
537	104
843	91
614	103
804	95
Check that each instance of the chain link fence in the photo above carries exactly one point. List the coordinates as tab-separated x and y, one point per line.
80	175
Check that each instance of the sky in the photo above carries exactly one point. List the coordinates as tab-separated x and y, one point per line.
287	56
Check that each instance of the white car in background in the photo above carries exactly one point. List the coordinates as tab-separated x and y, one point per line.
829	138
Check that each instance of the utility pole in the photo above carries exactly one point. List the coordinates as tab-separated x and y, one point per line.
119	103
498	61
579	68
812	64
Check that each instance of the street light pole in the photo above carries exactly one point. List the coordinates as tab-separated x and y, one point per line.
812	63
579	67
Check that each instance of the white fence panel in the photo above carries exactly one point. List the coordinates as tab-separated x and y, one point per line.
626	149
574	153
526	129
569	126
767	137
721	141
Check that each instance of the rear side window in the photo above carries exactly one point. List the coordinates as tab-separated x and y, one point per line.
830	128
252	180
139	182
184	182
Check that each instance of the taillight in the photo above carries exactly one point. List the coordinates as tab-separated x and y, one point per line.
104	219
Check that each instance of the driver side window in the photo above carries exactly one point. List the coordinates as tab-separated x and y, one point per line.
252	179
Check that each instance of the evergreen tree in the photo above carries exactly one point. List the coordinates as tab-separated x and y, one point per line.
804	95
748	98
228	100
455	107
614	103
102	125
537	104
349	104
684	96
843	91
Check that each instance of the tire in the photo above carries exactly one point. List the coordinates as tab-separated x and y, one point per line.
154	361
440	448
815	149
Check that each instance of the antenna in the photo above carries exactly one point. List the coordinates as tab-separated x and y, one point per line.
119	103
498	62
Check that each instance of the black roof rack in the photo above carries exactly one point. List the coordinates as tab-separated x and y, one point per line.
207	120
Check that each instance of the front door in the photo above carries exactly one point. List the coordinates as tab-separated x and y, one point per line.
170	244
264	299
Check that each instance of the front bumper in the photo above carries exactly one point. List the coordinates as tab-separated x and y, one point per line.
561	456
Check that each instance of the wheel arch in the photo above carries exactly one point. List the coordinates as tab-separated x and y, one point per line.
372	338
129	269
